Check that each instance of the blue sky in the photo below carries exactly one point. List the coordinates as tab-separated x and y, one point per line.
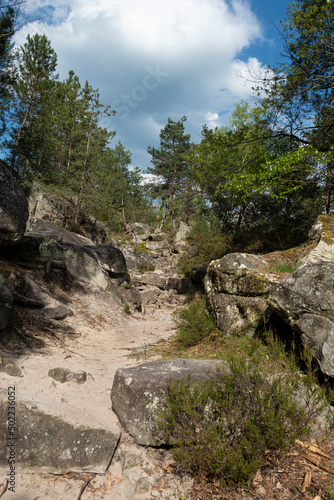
153	59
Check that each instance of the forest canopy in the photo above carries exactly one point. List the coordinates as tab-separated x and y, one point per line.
261	179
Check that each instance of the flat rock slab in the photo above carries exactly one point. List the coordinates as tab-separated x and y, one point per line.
45	441
139	392
64	375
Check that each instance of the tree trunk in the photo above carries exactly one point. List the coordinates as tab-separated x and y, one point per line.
84	170
18	135
329	187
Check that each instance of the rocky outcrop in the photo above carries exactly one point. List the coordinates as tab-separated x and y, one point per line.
56	209
237	288
180	241
91	264
13	208
305	300
41	229
46	441
322	232
139	392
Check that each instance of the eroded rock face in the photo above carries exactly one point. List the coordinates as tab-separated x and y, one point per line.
237	288
46	441
322	231
13	208
138	393
56	209
305	300
92	264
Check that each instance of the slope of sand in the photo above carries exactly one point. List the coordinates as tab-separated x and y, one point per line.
103	338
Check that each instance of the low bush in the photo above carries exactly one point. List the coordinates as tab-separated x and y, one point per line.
223	429
194	323
144	266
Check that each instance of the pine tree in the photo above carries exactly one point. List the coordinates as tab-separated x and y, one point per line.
169	162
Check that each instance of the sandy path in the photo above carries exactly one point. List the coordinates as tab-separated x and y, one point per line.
106	337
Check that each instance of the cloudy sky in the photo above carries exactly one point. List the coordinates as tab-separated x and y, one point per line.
153	59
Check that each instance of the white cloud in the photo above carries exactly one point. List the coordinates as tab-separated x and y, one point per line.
152	59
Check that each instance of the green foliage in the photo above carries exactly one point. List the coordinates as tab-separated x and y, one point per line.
127	309
194	323
144	266
170	165
206	244
223	429
141	249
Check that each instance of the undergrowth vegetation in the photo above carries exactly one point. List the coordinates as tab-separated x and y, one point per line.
194	323
225	428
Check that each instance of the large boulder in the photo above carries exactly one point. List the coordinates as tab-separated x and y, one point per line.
91	264
139	392
305	300
138	396
41	229
13	208
237	287
36	438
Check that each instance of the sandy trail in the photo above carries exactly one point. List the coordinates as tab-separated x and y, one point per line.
104	338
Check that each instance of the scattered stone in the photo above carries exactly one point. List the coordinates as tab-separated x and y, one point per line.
8	366
58	312
129	460
64	375
143	490
138	353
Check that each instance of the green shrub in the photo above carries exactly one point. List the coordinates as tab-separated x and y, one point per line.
222	429
127	309
207	244
144	266
193	323
140	249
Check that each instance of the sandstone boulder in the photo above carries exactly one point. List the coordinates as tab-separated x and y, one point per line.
92	264
57	444
13	208
305	300
180	241
138	393
41	229
322	232
138	396
237	287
